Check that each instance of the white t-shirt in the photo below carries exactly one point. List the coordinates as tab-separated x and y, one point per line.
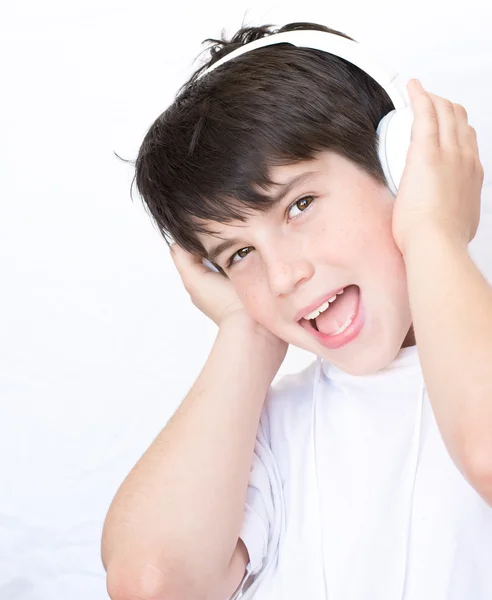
353	495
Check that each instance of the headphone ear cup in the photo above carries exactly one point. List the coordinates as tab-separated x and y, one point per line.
209	265
394	134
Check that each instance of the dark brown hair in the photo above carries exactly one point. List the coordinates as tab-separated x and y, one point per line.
206	158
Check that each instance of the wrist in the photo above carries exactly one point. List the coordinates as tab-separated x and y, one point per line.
241	322
242	330
430	236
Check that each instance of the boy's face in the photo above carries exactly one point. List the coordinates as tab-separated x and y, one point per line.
293	255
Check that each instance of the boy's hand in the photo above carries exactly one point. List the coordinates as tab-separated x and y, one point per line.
210	292
443	176
215	296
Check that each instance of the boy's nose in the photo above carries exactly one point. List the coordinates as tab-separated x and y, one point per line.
285	273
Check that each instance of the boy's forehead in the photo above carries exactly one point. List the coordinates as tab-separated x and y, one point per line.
286	180
217	231
286	177
282	174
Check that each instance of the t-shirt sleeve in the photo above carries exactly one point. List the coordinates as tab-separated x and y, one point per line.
263	513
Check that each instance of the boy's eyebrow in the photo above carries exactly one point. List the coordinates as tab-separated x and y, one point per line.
285	189
216	251
288	186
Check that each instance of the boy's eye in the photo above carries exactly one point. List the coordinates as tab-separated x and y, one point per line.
300	205
239	254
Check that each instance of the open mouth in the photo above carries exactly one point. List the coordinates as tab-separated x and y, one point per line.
338	320
332	315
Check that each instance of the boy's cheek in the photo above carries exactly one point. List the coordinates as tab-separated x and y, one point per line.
260	309
262	315
252	304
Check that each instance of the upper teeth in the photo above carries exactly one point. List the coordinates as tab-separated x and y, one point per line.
323	307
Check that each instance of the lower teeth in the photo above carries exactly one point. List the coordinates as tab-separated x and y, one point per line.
347	323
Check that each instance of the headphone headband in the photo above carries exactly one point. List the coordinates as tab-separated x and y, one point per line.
333	44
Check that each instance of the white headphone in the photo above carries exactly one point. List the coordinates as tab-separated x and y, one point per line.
394	129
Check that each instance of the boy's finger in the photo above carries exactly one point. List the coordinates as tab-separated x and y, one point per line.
473	140
425	127
463	128
180	255
446	118
187	264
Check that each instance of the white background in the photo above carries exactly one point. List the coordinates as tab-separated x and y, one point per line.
98	341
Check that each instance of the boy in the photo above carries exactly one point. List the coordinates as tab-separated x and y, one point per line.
347	480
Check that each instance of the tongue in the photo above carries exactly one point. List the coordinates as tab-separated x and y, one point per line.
344	307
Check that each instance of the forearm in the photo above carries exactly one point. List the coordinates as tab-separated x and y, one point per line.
183	503
451	304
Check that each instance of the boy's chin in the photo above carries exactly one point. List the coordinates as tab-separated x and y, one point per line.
365	361
363	364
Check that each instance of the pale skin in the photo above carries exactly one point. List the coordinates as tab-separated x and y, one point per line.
422	276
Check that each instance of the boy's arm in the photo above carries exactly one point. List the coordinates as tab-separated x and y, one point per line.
174	524
451	304
436	215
